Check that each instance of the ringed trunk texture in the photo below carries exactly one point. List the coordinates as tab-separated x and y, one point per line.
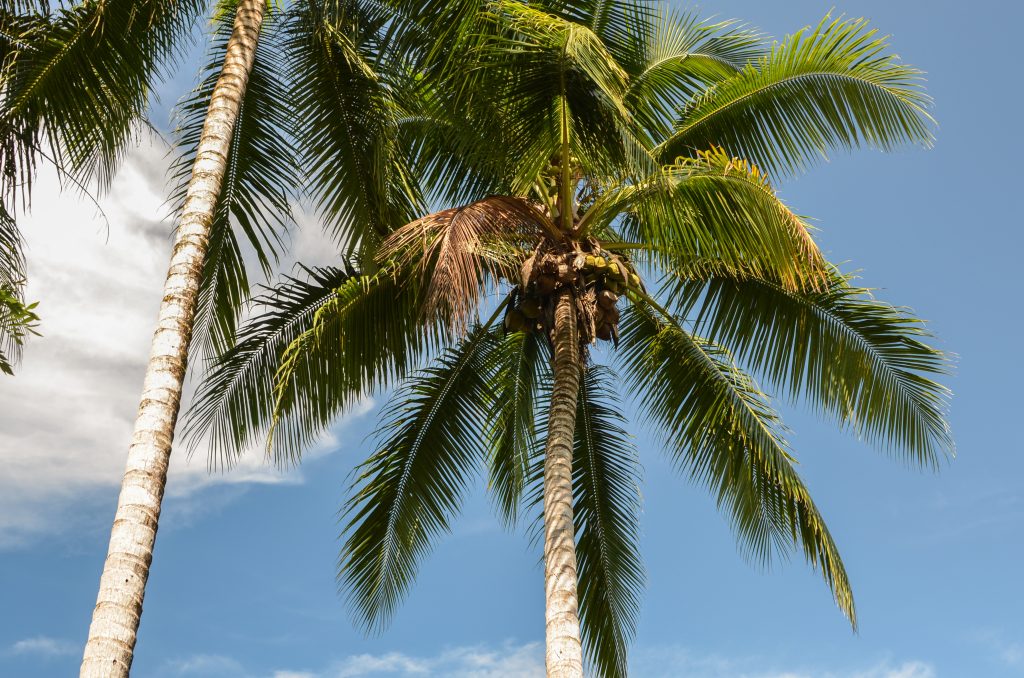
564	654
115	620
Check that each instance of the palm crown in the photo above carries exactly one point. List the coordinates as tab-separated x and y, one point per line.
608	163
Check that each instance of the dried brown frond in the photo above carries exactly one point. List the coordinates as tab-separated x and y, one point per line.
457	250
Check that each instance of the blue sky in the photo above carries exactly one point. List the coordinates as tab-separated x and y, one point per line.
243	581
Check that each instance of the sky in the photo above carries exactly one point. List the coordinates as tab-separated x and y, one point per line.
243	586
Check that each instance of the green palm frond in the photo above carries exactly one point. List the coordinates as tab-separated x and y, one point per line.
233	407
76	81
714	208
833	86
723	431
17	321
261	175
431	442
520	370
851	356
557	88
676	59
606	510
12	252
346	120
366	336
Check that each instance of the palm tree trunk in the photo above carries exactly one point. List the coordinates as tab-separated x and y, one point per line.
115	620
564	657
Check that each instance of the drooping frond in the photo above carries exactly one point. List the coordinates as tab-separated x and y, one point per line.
519	372
347	125
606	510
12	252
233	407
431	442
831	87
367	335
76	82
261	174
723	432
18	319
718	209
456	249
854	358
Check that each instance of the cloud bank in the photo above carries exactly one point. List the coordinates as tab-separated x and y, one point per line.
67	414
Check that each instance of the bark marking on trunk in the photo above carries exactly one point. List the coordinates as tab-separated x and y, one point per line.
115	621
564	655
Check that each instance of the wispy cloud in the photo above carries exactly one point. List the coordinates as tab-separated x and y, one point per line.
1002	650
526	660
43	646
68	412
669	662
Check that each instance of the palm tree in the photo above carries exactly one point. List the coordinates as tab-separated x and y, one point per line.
75	88
608	166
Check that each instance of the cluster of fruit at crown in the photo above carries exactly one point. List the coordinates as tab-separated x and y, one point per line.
597	277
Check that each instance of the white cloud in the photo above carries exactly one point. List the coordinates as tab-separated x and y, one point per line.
668	662
68	412
205	665
43	646
526	660
1002	650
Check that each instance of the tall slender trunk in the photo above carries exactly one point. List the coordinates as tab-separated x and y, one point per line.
115	620
564	656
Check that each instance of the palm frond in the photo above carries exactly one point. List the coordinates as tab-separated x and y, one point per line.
854	358
17	321
606	510
261	175
367	335
677	58
76	82
456	250
722	430
234	404
406	493
555	83
346	122
833	86
714	208
518	375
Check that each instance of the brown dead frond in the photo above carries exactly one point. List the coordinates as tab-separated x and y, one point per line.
458	249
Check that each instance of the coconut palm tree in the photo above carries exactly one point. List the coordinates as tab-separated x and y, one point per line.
608	166
75	89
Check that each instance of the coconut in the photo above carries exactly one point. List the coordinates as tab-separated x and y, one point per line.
634	279
530	308
590	261
546	284
515	321
606	298
599	262
613	269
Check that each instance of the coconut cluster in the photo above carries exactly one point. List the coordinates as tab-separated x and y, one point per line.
598	278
